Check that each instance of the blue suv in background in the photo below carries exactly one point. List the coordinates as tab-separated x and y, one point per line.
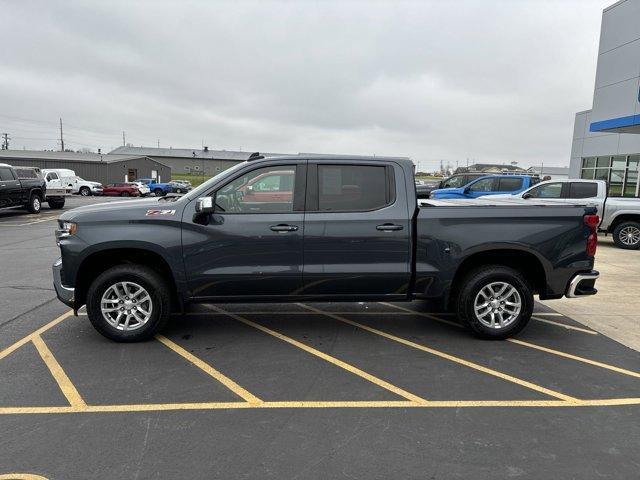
488	185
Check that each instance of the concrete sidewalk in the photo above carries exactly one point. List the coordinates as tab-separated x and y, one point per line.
615	310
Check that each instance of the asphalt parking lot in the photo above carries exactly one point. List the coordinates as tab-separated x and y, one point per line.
356	390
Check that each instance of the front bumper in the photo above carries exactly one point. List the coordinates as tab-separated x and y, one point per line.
582	284
65	294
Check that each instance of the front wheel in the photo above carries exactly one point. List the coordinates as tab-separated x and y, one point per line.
158	192
128	303
85	191
627	235
495	302
124	194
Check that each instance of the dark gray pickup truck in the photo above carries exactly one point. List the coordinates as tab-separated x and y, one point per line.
293	229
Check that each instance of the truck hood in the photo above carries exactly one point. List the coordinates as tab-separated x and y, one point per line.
451	190
126	208
501	195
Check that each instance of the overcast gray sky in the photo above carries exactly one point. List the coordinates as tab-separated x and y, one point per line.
492	81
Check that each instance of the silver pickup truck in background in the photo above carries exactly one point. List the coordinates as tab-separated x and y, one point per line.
619	216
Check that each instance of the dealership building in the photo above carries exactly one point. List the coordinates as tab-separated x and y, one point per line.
606	138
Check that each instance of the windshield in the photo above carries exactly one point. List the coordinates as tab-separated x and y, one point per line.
202	189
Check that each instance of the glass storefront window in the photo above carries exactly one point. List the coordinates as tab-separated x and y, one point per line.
589	162
587	173
619	162
602	174
631	184
603	162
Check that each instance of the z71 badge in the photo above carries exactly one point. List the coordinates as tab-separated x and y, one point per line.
153	213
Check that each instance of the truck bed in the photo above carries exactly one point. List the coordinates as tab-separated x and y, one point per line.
450	232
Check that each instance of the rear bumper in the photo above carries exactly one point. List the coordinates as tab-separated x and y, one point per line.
65	294
582	284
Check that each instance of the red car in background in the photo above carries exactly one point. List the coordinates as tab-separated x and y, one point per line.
121	190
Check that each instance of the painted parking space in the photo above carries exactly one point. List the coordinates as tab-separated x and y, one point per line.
311	356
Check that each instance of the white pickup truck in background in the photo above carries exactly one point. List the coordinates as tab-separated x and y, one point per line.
619	216
69	178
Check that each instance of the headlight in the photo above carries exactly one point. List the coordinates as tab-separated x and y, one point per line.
66	230
69	227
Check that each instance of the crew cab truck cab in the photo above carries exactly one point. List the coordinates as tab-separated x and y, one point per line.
329	229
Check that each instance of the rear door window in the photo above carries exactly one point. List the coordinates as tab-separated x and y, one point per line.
352	188
583	190
548	190
5	174
510	184
484	185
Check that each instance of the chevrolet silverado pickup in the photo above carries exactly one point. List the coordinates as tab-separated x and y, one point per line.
320	229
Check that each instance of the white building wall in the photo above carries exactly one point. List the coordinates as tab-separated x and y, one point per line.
616	98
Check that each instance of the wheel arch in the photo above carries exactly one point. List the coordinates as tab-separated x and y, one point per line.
530	266
623	217
97	261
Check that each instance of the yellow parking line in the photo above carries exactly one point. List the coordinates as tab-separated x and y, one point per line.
435	316
575	357
29	337
208	369
422	314
339	363
22	476
69	390
158	407
568	327
451	358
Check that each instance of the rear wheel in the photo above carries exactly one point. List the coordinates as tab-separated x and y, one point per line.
128	303
158	192
35	204
85	191
495	302
124	194
56	204
627	235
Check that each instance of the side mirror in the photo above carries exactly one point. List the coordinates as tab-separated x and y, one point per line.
467	190
205	205
527	195
249	188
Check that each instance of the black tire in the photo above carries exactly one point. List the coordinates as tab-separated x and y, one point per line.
178	190
124	194
158	192
56	204
143	276
470	288
627	235
85	191
35	203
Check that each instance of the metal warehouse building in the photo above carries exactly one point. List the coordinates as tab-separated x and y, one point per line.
91	166
195	161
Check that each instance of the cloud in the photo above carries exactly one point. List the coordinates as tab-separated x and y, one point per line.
491	80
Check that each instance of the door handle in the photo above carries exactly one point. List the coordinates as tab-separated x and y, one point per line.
389	227
283	228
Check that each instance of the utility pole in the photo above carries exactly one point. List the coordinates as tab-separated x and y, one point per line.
61	137
158	143
5	141
124	143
